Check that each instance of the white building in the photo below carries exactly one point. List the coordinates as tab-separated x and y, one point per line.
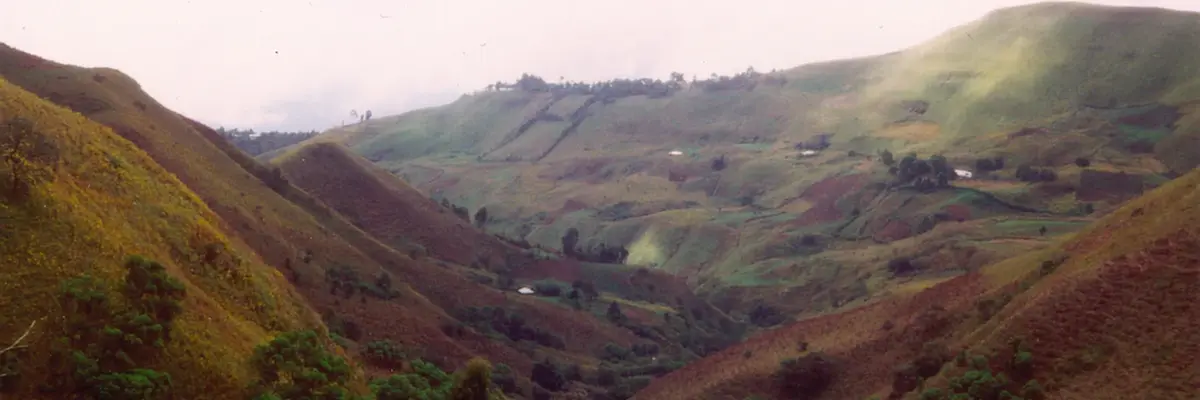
808	153
675	153
962	173
525	290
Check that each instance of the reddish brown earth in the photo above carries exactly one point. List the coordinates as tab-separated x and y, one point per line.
958	212
893	230
824	196
388	208
1117	319
1111	186
857	337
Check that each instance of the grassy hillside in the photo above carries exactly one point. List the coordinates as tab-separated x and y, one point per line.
368	292
1099	98
415	281
1104	314
391	210
107	200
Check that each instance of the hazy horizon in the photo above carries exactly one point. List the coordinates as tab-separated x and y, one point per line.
303	65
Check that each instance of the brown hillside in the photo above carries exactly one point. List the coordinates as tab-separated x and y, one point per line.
279	228
388	208
1115	320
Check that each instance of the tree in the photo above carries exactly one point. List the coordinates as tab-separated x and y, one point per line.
805	377
718	163
614	312
481	216
569	240
887	158
25	150
547	375
1083	162
367	116
473	382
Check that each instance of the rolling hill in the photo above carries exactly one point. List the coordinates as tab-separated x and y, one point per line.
264	250
1104	314
826	210
1060	111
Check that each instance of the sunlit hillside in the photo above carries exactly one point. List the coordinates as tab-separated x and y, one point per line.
1058	112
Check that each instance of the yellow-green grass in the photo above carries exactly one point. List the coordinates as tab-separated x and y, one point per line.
108	200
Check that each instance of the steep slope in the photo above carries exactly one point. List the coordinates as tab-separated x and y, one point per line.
106	200
1106	314
388	208
312	245
1098	102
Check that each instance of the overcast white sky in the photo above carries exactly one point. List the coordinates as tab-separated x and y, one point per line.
304	64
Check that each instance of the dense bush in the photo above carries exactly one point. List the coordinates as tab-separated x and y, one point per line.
296	365
547	375
384	353
497	320
901	266
766	316
1028	173
425	381
103	353
978	381
548	288
805	377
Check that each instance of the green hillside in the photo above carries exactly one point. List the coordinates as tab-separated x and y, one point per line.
1087	107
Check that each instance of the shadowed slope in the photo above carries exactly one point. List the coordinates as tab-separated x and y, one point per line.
388	208
391	210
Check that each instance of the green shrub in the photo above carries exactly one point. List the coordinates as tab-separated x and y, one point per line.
503	378
296	365
384	353
102	352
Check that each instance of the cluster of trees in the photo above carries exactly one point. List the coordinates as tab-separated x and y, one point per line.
600	254
937	172
345	280
1028	173
818	142
978	381
989	164
460	211
363	117
298	365
255	143
510	324
805	377
107	353
922	174
618	88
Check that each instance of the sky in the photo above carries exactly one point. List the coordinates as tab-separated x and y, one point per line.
305	64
